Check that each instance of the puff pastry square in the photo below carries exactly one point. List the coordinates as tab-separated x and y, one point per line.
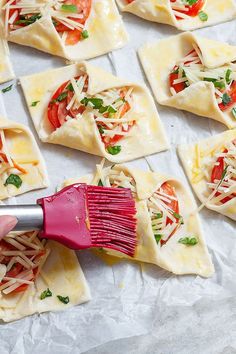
52	270
168	230
210	167
110	117
195	74
22	167
204	13
6	71
48	26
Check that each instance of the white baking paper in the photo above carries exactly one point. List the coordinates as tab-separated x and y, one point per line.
128	299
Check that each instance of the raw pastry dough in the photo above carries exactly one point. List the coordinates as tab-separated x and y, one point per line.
145	137
199	160
200	97
104	25
20	157
61	273
160	11
6	71
172	255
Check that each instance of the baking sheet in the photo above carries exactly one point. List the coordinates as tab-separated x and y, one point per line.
128	299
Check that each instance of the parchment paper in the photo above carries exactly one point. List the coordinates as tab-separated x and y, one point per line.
129	299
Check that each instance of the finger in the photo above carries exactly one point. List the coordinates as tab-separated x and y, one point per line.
7	223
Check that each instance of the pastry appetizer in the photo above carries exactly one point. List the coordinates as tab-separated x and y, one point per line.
22	167
38	276
6	71
194	74
182	14
211	169
169	232
87	108
72	29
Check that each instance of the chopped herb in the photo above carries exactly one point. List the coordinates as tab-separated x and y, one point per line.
103	109
100	183
191	2
179	217
209	79
6	89
158	215
219	84
234	112
114	150
27	20
175	71
96	102
100	128
157	238
189	241
13	179
60	98
203	16
110	109
226	99
69	8
63	299
223	174
70	87
45	293
85	34
34	104
227	76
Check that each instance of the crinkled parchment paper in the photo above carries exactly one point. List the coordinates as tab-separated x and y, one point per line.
182	314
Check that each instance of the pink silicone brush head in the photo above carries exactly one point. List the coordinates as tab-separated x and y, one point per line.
82	216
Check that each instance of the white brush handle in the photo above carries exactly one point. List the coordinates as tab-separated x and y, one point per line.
30	217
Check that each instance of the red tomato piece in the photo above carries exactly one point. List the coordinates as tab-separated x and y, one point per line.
191	10
232	94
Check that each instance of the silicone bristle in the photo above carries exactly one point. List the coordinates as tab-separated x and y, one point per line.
112	218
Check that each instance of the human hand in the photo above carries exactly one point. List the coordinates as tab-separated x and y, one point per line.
7	223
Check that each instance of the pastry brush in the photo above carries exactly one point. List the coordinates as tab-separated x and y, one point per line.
82	216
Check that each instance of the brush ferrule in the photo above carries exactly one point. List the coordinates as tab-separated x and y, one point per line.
30	217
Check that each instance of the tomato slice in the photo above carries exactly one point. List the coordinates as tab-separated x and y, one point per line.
217	173
173	205
191	10
57	111
174	76
232	94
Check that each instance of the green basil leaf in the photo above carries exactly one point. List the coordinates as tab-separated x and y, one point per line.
157	237
6	89
188	241
226	99
227	76
203	16
219	84
62	96
100	183
114	150
64	299
34	104
69	8
85	34
13	179
234	112
45	293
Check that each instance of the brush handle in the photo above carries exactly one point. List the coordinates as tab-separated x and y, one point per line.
30	217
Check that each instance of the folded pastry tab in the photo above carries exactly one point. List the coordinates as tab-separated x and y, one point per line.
38	276
71	29
168	227
182	14
194	74
87	108
210	166
22	167
6	71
